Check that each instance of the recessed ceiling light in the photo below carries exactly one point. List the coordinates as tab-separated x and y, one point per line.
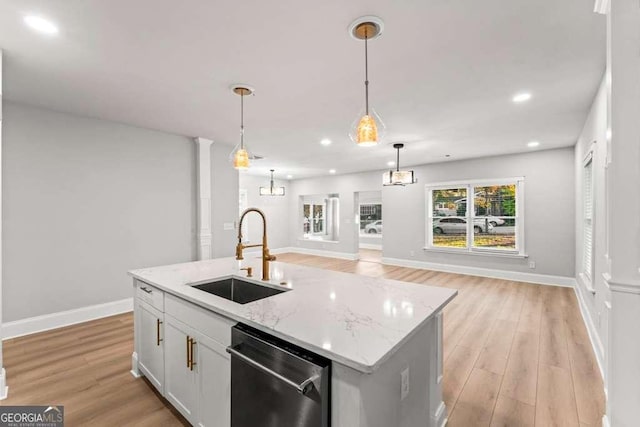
40	24
289	176
391	163
325	142
521	97
533	144
332	171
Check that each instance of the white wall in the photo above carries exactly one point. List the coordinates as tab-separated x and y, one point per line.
548	205
275	208
84	201
345	186
549	211
593	137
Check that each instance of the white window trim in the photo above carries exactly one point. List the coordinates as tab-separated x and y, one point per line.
587	276
519	252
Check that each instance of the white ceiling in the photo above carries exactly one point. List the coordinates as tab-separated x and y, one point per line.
442	75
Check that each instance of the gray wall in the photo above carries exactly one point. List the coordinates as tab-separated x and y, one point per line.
549	211
595	131
275	208
84	201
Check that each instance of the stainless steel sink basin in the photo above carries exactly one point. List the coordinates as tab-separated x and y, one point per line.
237	290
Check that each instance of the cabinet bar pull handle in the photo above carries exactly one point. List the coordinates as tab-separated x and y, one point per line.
158	339
188	352
147	290
193	342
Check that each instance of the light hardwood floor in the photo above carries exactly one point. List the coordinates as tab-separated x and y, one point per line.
516	354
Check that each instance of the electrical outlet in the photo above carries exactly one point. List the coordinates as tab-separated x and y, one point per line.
532	264
228	226
404	383
412	253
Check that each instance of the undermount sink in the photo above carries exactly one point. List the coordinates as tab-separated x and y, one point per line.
237	290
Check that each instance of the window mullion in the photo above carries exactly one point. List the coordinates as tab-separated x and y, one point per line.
470	211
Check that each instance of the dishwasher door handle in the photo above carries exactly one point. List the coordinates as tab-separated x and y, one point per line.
303	388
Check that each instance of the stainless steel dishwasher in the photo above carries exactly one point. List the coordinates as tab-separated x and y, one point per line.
275	383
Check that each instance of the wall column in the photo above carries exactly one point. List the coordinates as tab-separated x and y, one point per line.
3	376
204	197
622	274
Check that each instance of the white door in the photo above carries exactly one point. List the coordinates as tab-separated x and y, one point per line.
151	357
214	383
180	376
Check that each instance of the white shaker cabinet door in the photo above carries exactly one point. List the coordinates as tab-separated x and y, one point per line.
180	374
151	357
214	383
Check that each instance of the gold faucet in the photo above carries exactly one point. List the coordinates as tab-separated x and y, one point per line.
266	256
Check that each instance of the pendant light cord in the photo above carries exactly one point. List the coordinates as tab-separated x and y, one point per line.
366	70
398	160
242	120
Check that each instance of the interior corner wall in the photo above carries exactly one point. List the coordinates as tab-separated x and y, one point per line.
224	202
593	137
84	201
275	208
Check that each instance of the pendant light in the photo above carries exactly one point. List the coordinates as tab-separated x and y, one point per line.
240	155
272	190
368	129
398	177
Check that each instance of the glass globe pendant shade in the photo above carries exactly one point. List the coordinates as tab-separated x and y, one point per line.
240	158
368	129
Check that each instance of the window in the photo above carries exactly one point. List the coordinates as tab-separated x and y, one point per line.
490	221
587	215
314	218
371	218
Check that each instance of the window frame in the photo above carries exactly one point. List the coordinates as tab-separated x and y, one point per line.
469	185
587	276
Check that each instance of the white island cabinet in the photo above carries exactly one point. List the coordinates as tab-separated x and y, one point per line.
384	339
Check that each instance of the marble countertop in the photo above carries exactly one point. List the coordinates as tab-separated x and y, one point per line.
355	320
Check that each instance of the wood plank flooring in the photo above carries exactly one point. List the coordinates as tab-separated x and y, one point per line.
516	354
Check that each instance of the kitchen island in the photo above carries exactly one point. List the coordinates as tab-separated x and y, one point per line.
384	338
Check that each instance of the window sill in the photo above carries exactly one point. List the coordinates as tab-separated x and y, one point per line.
372	235
317	240
477	252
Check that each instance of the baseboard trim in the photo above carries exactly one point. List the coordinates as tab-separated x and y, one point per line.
540	279
4	390
370	246
440	418
47	322
317	252
594	337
